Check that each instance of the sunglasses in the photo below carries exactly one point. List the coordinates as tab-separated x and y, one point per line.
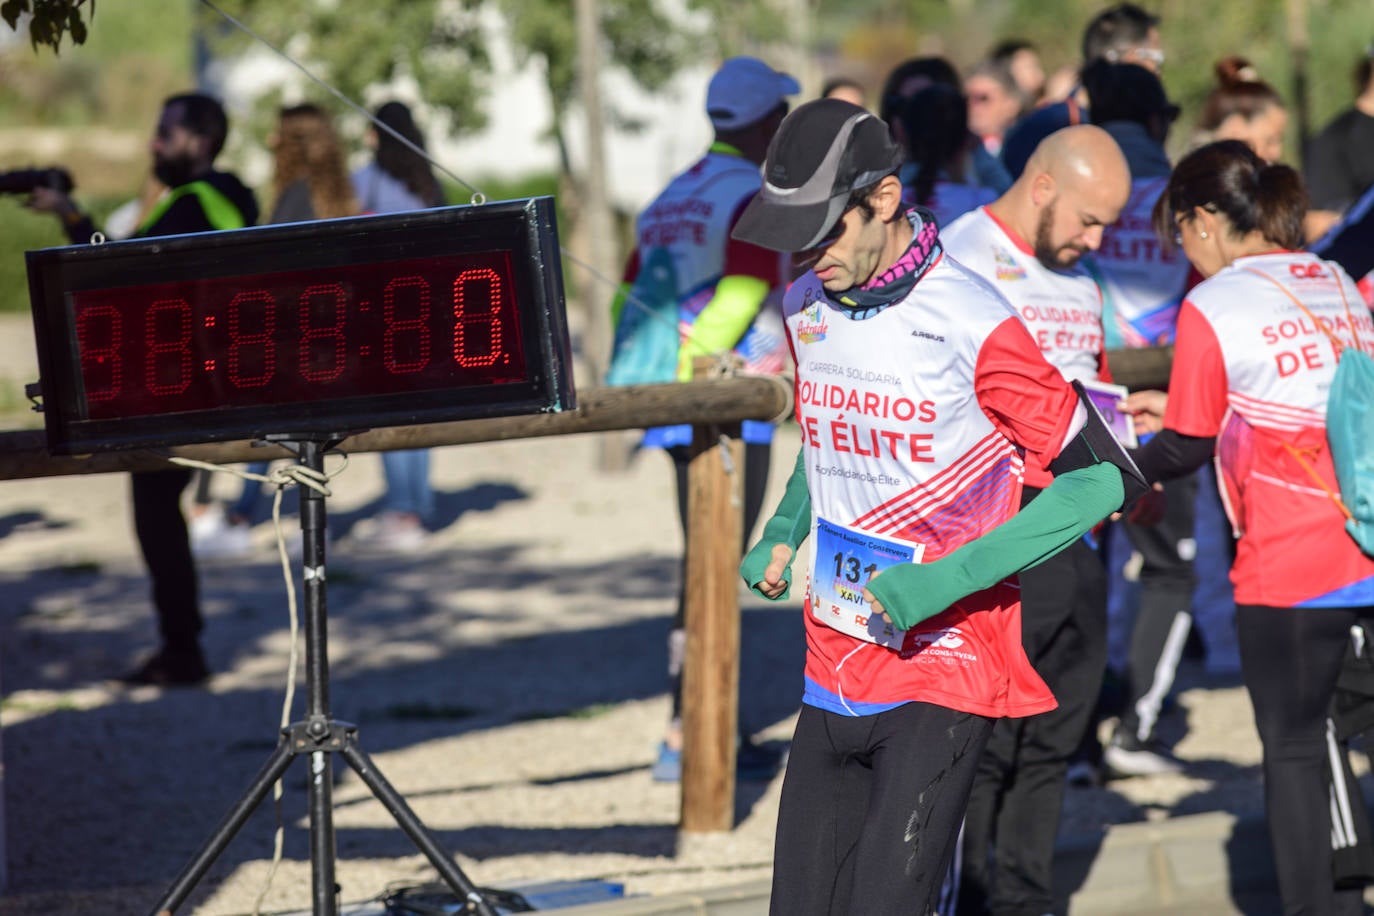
832	235
1153	55
806	257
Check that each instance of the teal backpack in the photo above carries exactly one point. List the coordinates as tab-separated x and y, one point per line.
1349	427
1350	433
646	337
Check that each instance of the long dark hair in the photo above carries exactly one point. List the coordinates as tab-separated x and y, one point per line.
932	69
400	161
1227	177
935	121
308	149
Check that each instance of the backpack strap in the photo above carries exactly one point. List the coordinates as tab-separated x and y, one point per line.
1312	472
1338	346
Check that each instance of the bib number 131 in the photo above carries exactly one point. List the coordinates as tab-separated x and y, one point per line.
853	557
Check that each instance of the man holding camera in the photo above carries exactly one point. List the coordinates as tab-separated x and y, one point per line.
190	134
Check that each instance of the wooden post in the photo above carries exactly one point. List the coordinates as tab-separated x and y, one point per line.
710	674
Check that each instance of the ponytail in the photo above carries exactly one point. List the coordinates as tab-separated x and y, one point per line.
935	121
1280	204
1227	177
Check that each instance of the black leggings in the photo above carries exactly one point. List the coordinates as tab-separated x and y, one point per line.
870	809
1291	658
1015	804
166	548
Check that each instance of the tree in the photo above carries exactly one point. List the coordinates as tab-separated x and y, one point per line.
352	46
638	36
50	19
648	44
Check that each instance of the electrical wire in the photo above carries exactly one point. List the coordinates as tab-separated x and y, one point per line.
478	196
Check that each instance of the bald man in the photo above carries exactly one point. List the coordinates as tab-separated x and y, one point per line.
1028	243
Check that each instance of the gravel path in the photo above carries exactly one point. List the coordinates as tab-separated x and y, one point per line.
507	679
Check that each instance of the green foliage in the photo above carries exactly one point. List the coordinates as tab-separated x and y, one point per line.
51	19
116	78
747	28
353	46
638	35
1194	36
504	188
22	230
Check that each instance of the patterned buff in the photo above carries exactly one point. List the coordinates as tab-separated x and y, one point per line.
893	284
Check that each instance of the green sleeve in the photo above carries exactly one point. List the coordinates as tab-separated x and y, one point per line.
723	321
1062	513
622	292
790	524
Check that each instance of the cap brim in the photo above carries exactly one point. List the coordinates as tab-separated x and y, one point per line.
786	227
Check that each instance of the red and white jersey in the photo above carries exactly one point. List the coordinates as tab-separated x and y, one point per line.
1062	309
915	423
1252	369
693	216
1143	281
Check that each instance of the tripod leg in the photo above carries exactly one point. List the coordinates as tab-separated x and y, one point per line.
271	771
322	835
419	835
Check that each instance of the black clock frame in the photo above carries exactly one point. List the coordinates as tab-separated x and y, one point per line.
526	230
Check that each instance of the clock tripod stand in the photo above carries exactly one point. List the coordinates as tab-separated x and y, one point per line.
318	736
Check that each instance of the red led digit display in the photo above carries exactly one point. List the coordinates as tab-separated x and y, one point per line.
385	328
316	329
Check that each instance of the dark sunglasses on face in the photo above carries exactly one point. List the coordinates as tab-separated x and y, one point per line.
808	256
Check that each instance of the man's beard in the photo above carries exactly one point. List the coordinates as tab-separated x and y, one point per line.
1045	252
174	172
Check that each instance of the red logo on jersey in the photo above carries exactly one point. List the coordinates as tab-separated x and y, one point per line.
1306	271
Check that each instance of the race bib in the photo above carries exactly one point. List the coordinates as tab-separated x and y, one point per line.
846	559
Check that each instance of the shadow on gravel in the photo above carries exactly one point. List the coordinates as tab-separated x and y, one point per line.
29	521
485	841
421	647
449	506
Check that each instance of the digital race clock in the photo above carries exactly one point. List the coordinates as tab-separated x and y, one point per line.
331	326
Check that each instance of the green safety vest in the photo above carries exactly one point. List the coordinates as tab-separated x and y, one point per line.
218	209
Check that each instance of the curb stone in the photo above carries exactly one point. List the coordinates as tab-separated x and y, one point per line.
1210	864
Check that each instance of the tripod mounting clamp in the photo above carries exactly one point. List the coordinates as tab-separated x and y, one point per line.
318	733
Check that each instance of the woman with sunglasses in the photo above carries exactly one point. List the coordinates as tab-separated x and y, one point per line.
1256	350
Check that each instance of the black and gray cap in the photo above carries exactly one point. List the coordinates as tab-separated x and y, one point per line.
822	152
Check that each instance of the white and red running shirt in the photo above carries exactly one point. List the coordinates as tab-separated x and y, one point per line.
1062	309
685	235
915	423
1143	280
1251	369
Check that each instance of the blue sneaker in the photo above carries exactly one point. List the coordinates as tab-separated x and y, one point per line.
753	763
668	766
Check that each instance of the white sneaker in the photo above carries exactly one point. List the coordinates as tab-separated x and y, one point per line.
1125	756
207	522
229	542
393	532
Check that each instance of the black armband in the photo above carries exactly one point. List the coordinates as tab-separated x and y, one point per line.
1171	454
1095	444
